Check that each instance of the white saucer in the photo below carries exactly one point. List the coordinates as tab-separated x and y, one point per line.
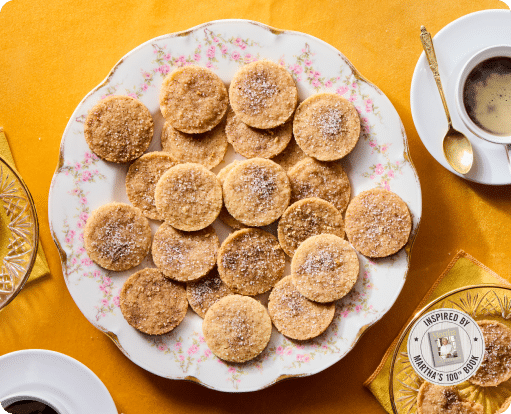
454	45
57	376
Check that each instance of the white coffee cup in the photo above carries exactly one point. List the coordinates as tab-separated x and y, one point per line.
479	57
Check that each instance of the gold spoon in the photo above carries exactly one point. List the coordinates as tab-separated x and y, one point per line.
457	148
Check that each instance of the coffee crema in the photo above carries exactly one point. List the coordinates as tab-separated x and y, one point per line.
487	95
29	407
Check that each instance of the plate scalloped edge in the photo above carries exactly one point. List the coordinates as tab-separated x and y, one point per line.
303	359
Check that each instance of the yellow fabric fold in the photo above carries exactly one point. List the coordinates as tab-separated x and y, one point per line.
463	270
40	266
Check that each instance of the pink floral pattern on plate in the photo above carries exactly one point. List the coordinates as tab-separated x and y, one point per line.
78	262
83	183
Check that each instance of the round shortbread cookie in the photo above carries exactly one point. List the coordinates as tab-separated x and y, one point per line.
438	399
189	197
119	129
237	328
324	268
252	142
263	94
294	315
306	218
152	303
184	256
256	191
207	148
325	180
326	126
378	223
291	155
205	292
141	181
193	99
251	261
224	214
117	236
496	365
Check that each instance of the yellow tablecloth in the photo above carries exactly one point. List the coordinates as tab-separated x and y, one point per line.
53	52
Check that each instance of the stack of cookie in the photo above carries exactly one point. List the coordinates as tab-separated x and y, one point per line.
296	182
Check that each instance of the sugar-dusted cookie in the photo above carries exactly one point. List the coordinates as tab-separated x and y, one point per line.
256	191
438	399
251	261
224	214
378	223
207	148
203	293
189	197
263	94
326	180
117	236
496	365
324	268
193	99
252	142
291	155
184	256
141	181
237	328
294	315
119	129
306	218
326	126
152	303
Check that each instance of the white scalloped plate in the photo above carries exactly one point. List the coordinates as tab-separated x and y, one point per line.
82	183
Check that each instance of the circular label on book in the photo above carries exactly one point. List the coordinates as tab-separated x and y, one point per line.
445	347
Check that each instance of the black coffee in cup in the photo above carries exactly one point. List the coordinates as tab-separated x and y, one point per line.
29	407
487	95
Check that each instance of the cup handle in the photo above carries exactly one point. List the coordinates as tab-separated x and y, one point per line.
508	153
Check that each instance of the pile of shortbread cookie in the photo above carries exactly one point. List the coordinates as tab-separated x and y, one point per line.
295	181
